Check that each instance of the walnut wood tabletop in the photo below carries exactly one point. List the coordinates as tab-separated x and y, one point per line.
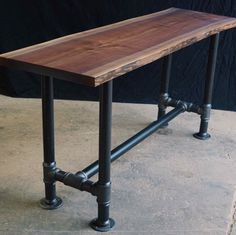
98	55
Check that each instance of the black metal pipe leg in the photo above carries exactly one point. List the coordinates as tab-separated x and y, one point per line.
209	84
165	80
103	222
51	201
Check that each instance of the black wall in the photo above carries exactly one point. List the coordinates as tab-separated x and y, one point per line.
26	22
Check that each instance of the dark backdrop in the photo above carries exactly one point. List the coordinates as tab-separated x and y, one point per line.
26	22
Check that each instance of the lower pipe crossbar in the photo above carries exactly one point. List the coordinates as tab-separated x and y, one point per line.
80	180
92	169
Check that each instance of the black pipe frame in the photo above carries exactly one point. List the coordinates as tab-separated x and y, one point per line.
51	201
102	188
209	85
165	83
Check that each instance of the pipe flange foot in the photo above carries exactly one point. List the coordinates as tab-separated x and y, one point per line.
102	228
202	136
51	205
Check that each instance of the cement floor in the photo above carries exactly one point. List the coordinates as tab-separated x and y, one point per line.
169	184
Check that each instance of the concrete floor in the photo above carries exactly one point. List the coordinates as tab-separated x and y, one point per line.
169	184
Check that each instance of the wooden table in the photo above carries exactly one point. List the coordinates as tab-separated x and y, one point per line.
94	58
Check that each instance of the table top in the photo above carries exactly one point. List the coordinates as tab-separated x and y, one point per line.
95	56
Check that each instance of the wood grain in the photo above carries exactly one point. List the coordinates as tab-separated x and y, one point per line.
98	55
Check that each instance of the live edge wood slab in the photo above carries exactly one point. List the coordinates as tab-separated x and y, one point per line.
98	55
